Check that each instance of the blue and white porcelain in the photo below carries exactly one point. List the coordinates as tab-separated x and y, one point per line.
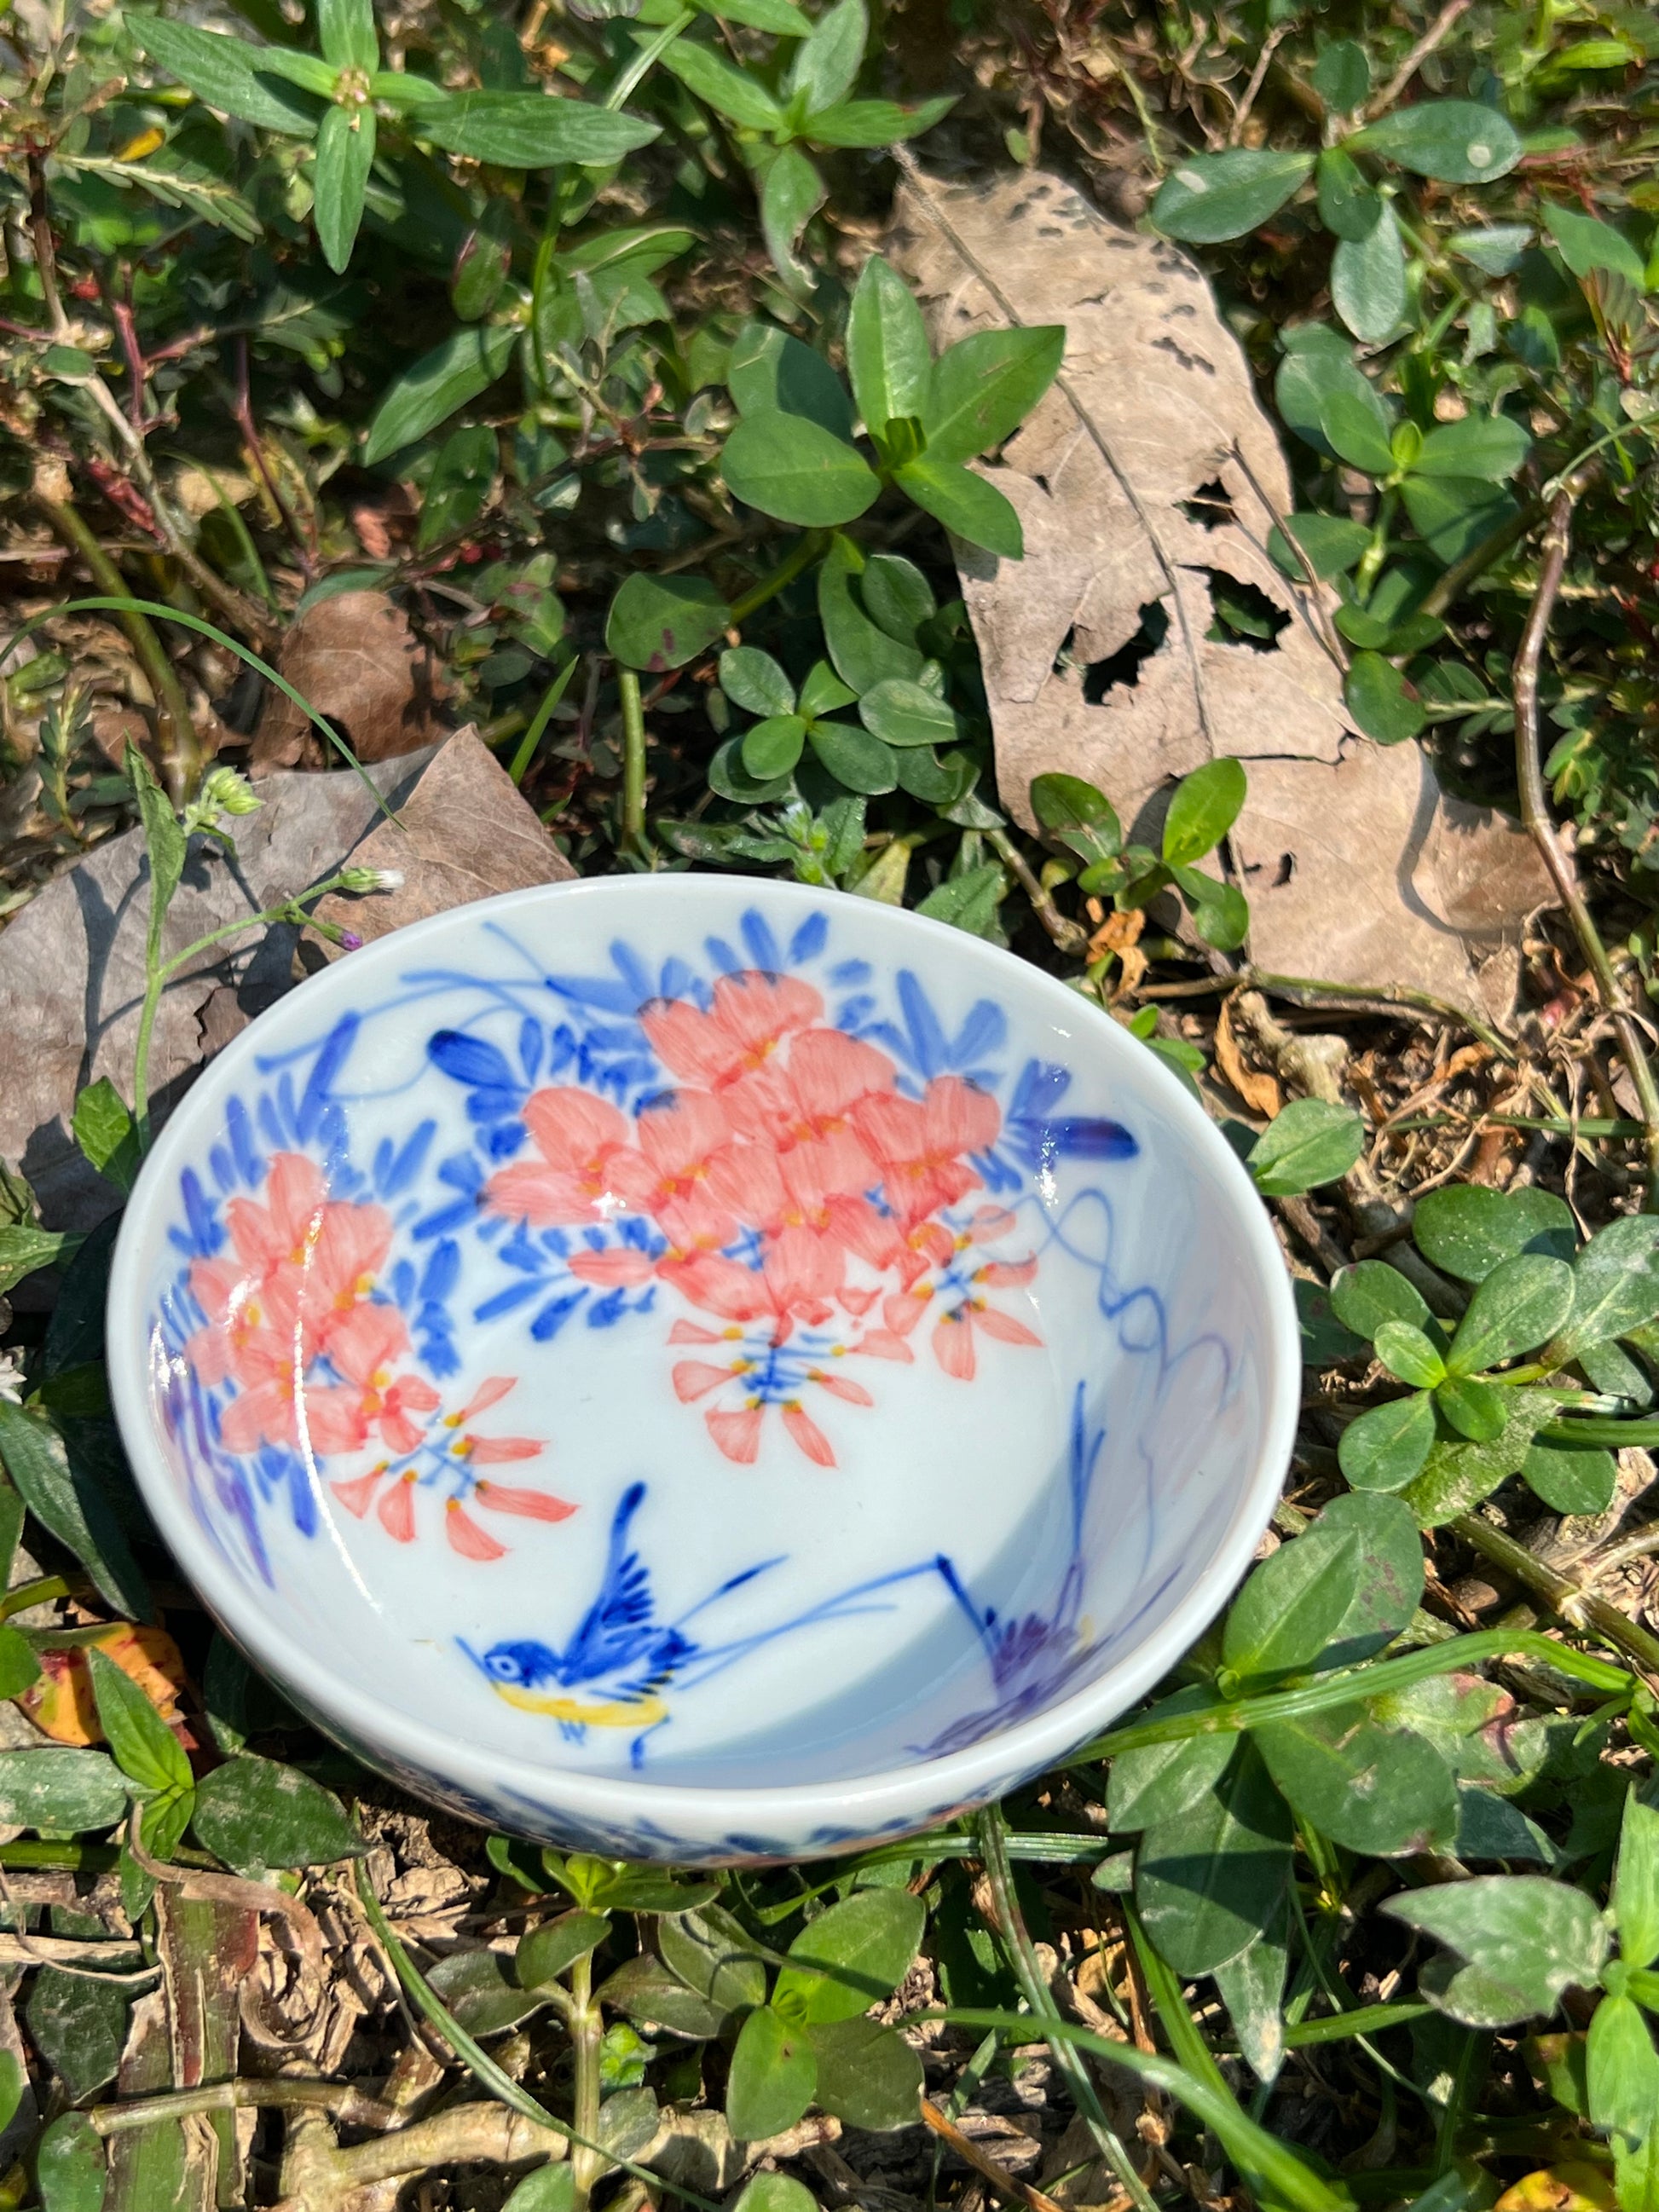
698	1369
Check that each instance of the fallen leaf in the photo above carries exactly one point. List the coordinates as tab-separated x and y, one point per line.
1259	1092
72	970
467	832
355	660
1567	2188
61	1704
1147	631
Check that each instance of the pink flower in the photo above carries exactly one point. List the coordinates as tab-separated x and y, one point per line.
466	1537
752	1013
298	1265
580	1139
953	1336
804	1110
364	1348
671	1176
798	1280
528	1504
920	1144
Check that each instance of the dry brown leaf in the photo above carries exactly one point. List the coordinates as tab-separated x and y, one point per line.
467	832
1259	1092
358	663
1147	487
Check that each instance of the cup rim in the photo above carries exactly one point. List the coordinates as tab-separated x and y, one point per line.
922	1791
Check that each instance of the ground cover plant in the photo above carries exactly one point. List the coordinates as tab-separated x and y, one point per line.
567	332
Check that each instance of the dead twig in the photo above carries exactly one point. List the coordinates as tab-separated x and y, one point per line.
1564	873
1005	2184
1380	103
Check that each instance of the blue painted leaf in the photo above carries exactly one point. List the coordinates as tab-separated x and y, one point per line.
470	1061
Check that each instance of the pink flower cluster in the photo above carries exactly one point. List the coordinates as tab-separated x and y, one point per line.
797	1134
291	1321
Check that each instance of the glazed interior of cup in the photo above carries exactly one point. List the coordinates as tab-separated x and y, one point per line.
729	1338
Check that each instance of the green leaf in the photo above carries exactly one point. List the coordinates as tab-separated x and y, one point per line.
255	1812
146	1749
1386	1448
732	91
19	1667
533	130
729	778
769	372
1310	1142
1466	1230
1211	197
1622	2070
780	17
1150	1787
164	839
1635	1882
1290	1609
794	469
822	691
1479	1411
1368	279
776	2192
460	484
1527	1939
649	1993
549	2188
753	679
1062	803
1615	1282
901	713
57	1791
105	1131
1454	514
773	2076
875	122
467	363
793	192
826	65
1350	206
772	748
548	1951
863	655
897	596
662	621
968	900
868	2075
1204	808
1457	1475
855	758
1332	543
714	1955
226	73
25	1249
969	506
1407	1352
1382	1790
1572	1477
64	1501
1585	243
70	2166
1517	1307
1370	1292
982	388
1342	76
851	1955
1206	1883
1327	400
474	1986
1489	447
887	352
1382	703
345	31
1455	141
1252	1987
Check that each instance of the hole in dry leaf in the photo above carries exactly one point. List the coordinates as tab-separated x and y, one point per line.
1124	666
1244	615
1209	506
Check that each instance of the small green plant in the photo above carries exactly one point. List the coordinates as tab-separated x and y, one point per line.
1534	1365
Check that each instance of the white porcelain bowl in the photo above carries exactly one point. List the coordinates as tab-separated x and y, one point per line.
699	1370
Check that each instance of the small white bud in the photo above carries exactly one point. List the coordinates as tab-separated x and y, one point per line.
372	879
226	791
